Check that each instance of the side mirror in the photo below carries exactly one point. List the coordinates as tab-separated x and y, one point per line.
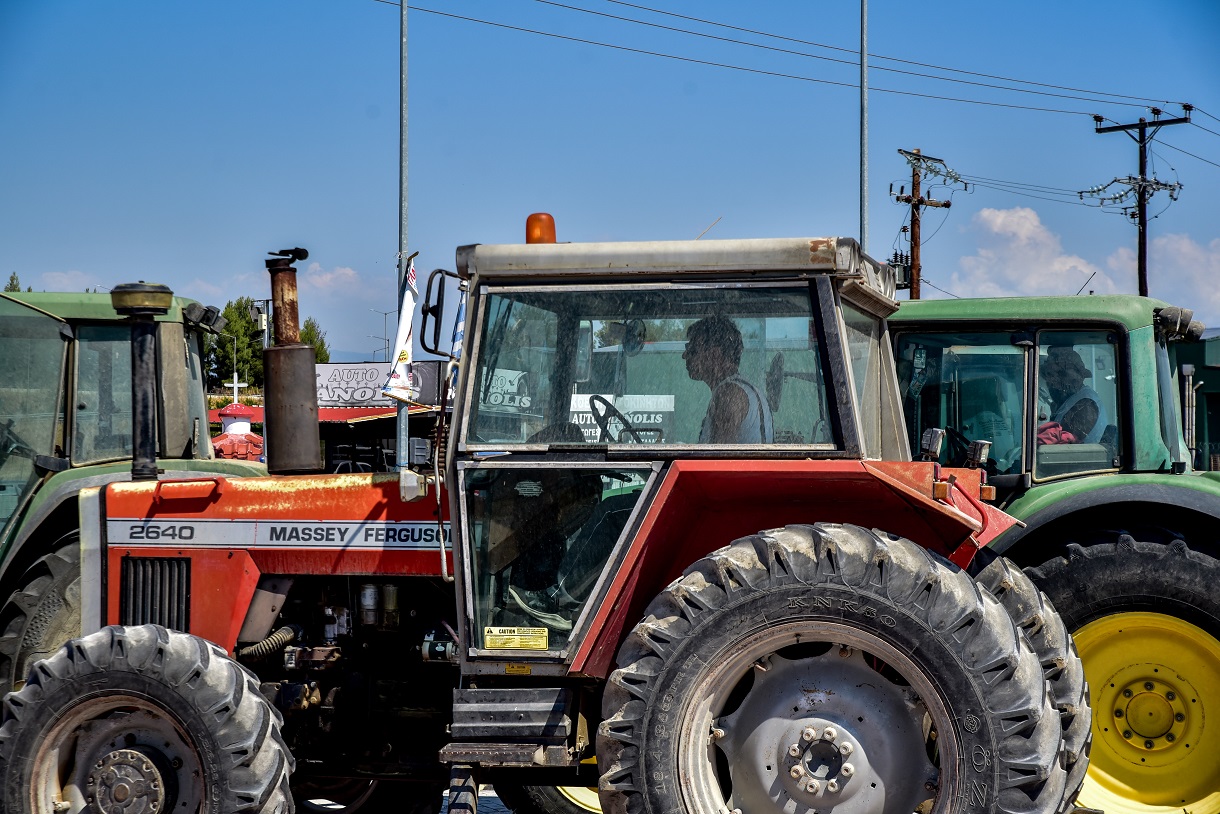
433	309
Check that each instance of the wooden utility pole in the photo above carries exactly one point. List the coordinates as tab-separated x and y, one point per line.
917	202
1143	185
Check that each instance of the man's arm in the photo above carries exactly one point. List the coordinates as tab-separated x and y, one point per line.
728	408
1081	419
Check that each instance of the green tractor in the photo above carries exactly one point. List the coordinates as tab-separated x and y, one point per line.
66	423
1078	397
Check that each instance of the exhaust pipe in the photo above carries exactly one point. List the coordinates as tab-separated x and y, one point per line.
141	303
291	401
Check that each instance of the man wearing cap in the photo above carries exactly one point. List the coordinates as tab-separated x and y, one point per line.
1075	406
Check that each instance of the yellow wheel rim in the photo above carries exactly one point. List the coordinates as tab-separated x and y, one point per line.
583	796
1154	680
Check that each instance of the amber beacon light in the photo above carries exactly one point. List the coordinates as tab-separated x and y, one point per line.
540	228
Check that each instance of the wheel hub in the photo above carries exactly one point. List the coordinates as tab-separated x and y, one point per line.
125	782
822	758
1151	714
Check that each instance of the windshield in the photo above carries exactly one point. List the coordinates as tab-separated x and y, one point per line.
969	384
668	365
31	374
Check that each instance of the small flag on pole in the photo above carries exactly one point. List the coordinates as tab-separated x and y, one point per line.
399	385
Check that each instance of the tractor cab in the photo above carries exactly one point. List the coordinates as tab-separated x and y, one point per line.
593	367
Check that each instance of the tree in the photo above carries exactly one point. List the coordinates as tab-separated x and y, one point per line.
14	283
312	334
249	346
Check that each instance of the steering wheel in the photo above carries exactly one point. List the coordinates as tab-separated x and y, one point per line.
603	411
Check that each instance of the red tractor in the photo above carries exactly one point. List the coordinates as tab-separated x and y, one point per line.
687	540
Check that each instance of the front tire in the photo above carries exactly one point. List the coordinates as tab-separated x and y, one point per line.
42	614
1146	620
828	668
132	717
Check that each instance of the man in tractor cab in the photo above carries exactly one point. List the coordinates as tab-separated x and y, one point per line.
737	413
1076	413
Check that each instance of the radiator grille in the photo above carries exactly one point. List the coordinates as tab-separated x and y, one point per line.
156	590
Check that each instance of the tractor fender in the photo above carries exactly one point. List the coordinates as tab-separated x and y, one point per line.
1076	510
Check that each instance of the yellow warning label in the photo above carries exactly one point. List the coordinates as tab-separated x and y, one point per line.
515	638
518	669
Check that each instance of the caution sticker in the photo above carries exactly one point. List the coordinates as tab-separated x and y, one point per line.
518	670
515	638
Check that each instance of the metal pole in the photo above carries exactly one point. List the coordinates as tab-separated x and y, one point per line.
403	440
1142	208
864	125
916	265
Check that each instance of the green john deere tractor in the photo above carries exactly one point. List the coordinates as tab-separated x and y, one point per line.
1079	399
66	418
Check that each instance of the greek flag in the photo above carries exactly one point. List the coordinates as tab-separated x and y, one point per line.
459	336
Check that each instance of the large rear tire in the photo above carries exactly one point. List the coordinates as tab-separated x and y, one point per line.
42	614
828	668
142	719
522	799
1146	621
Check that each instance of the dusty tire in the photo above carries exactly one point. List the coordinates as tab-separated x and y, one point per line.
1146	621
739	668
1035	615
141	715
42	614
548	799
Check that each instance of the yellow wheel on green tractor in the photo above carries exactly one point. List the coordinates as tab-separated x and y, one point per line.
583	797
1155	682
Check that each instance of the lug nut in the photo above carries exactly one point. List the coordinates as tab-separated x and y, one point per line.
1171	695
1148	744
829	733
1126	693
1126	734
832	786
812	786
845	748
1147	685
1179	717
808	733
797	772
1169	736
717	733
1118	713
794	750
847	770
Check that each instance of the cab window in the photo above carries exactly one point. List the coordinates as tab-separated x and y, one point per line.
1077	426
673	365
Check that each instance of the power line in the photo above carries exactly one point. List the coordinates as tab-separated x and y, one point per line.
1204	129
852	63
891	59
1192	155
931	284
1205	113
731	67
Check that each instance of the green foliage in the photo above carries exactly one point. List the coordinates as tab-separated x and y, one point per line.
312	334
14	283
249	346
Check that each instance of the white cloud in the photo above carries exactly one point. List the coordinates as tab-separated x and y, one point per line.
1019	256
65	281
1183	272
339	279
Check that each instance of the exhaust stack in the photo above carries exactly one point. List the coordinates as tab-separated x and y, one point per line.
291	402
141	303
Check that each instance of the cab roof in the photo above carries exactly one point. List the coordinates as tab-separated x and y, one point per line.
81	306
836	256
1128	310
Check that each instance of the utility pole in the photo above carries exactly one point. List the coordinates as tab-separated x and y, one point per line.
917	202
1143	186
864	126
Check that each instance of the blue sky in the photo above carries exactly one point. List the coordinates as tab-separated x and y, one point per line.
178	143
